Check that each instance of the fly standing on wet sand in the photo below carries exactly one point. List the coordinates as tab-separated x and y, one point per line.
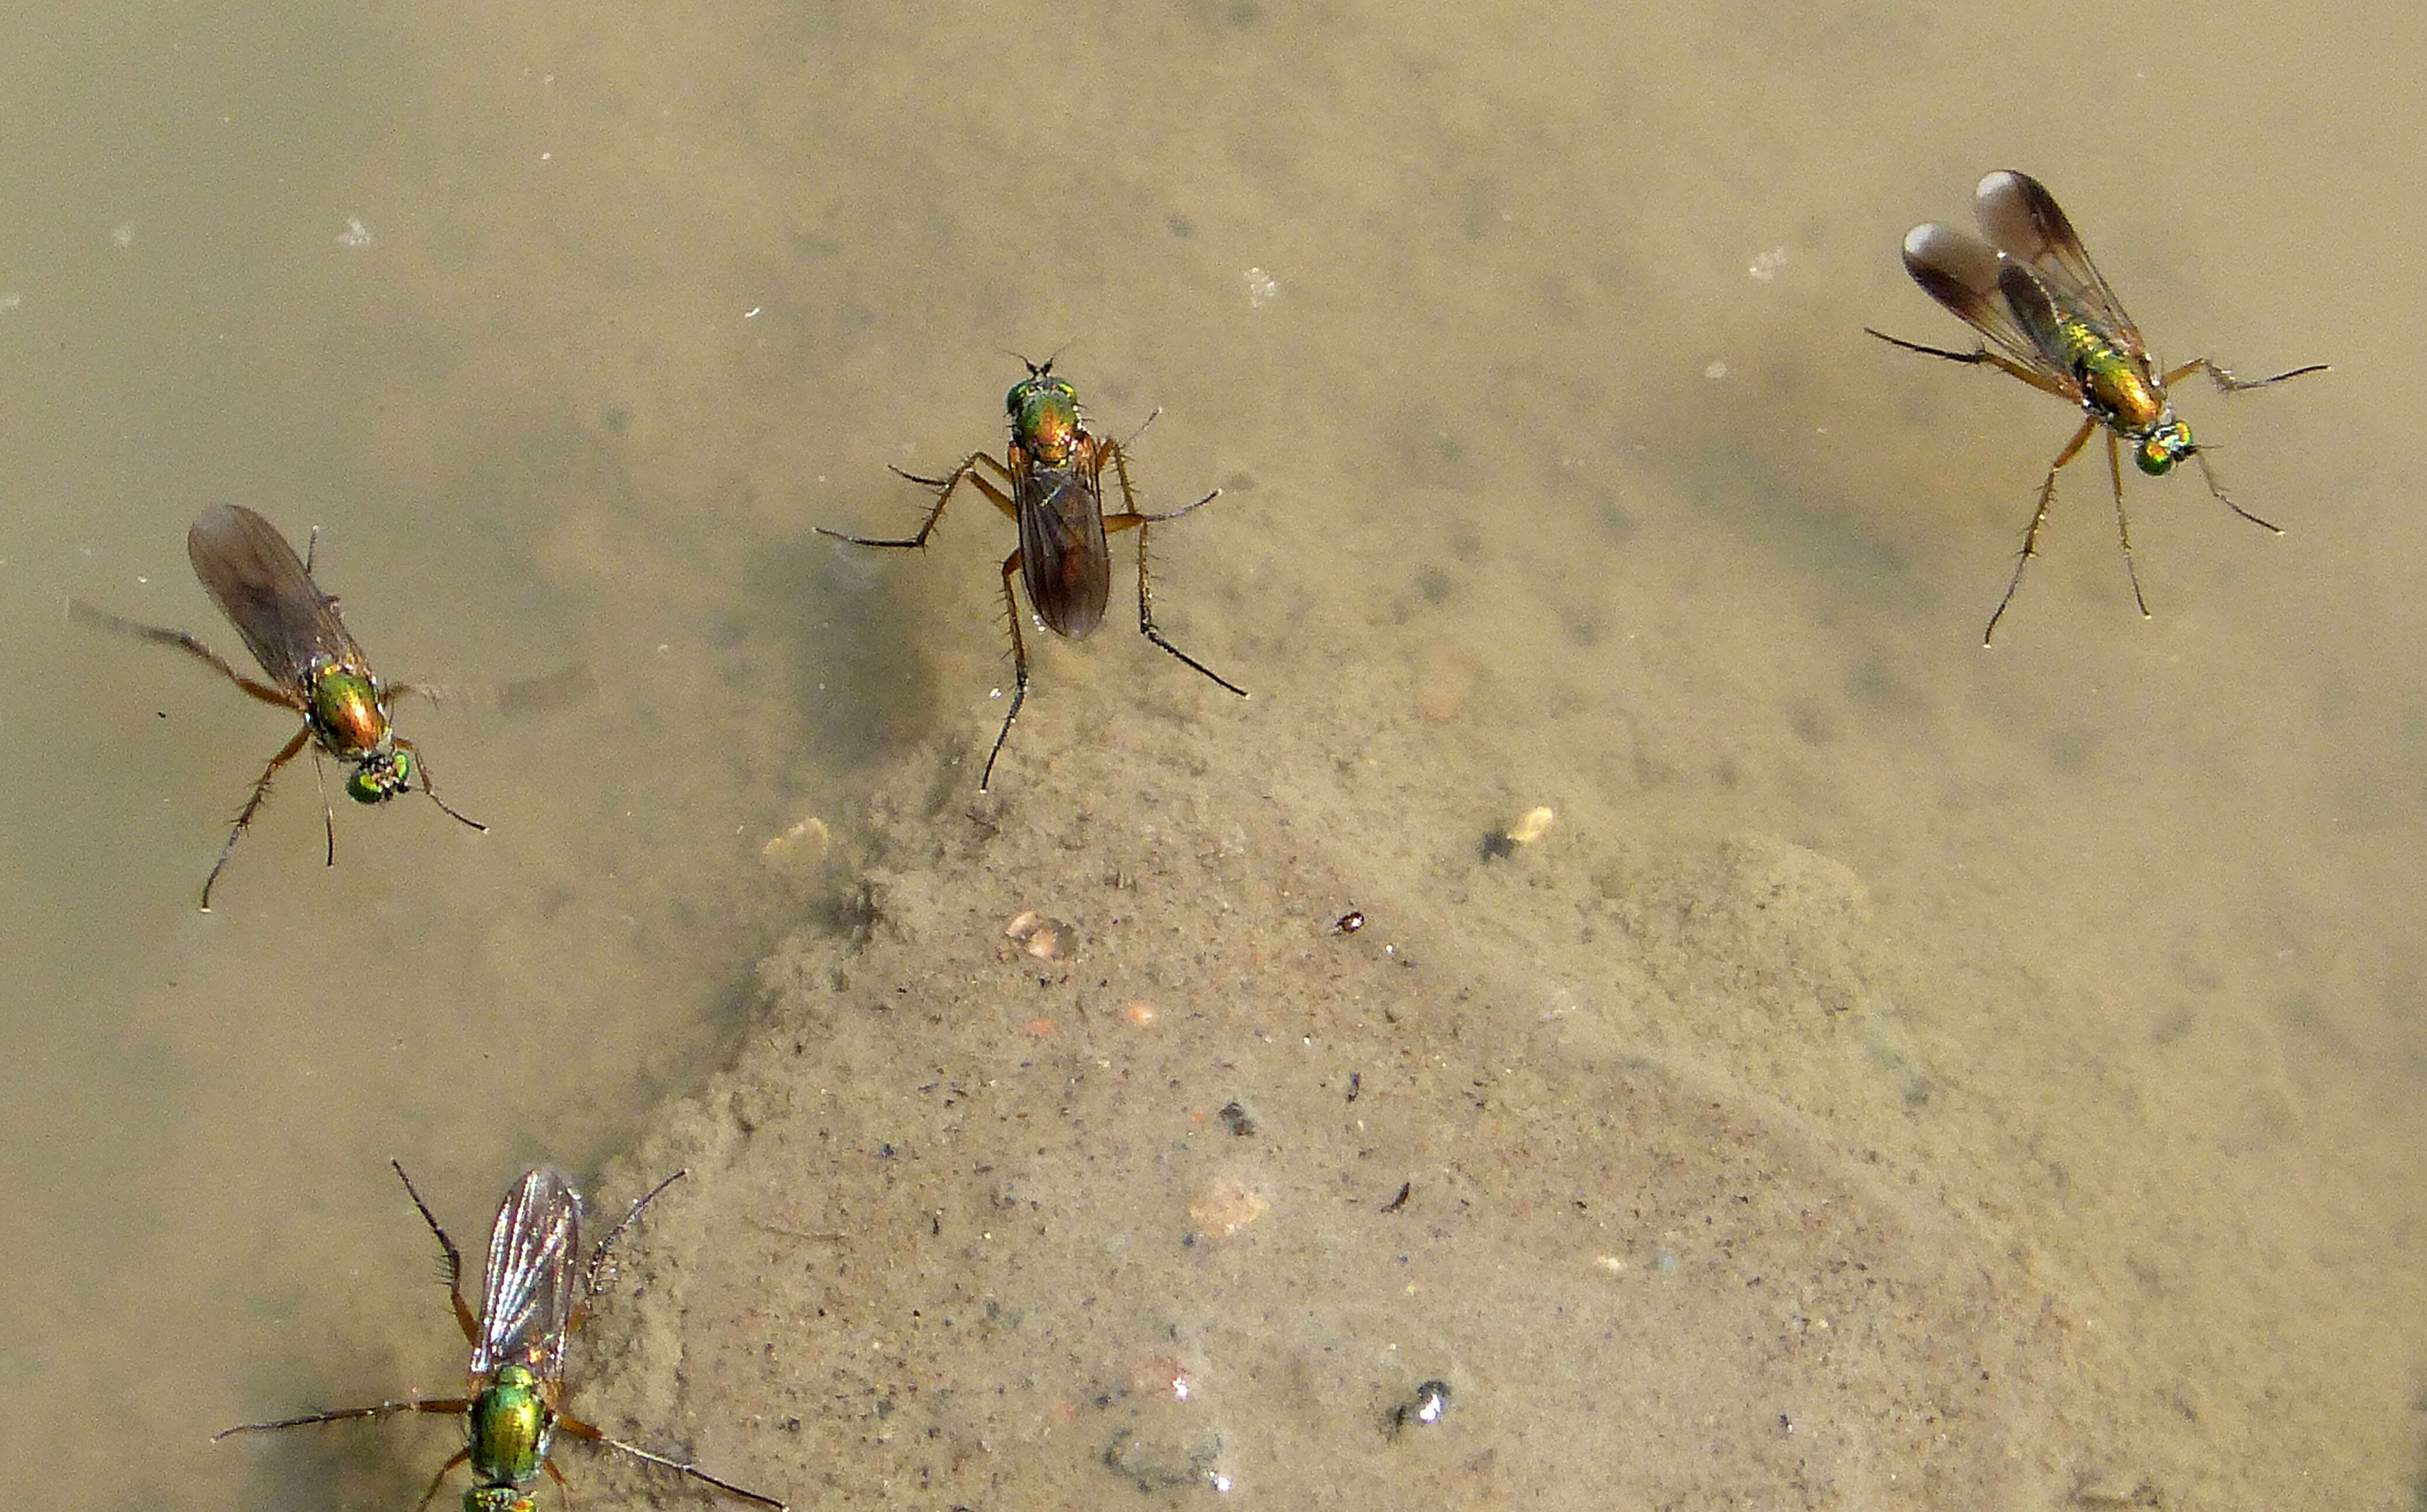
2048	318
1054	471
315	666
533	1296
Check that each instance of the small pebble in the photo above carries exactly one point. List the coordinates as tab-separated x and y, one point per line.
1224	1206
800	851
1163	1376
1443	684
1047	939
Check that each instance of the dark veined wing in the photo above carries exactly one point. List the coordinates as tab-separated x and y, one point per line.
532	1284
260	585
2022	219
1064	559
1965	274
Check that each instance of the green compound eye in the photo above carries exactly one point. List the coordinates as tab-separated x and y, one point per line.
380	777
2163	447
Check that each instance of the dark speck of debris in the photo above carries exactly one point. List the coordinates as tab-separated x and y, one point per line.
1401	1201
1349	922
1498	846
1237	1119
1356	1084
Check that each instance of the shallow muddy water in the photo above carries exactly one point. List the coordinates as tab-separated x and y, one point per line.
1901	1075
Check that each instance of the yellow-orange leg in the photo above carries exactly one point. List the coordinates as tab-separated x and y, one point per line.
2038	518
253	807
431	1494
1979	355
464	1318
84	613
968	472
2124	525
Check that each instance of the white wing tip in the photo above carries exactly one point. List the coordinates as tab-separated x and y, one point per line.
2000	182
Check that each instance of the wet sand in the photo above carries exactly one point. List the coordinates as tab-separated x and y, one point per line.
1686	1208
1900	1075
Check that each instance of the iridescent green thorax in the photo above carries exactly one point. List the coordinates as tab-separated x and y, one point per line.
510	1426
2114	382
1043	417
345	711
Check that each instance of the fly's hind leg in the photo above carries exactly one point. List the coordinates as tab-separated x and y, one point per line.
84	613
1978	356
1018	667
2038	518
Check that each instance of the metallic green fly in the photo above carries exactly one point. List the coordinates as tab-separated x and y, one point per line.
316	666
533	1296
1054	471
2035	296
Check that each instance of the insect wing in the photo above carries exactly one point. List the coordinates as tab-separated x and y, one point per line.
1064	559
260	585
2023	219
531	1287
1967	276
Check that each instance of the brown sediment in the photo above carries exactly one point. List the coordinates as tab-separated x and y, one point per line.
1641	1276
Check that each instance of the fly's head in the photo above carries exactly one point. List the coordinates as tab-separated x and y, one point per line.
2159	450
381	776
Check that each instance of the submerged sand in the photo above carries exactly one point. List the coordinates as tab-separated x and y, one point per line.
1193	1208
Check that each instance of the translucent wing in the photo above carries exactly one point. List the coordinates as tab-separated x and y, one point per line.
2022	219
260	585
531	1288
1993	295
1063	561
